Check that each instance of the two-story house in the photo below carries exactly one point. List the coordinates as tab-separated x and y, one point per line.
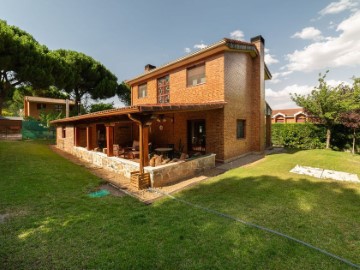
210	102
33	106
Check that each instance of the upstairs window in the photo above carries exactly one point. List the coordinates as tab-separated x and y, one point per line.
240	129
142	90
41	106
195	75
163	89
58	108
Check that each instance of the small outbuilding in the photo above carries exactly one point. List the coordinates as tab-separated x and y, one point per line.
10	128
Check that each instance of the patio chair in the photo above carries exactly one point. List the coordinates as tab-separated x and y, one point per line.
132	152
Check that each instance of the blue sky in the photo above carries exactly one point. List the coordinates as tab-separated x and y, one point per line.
302	38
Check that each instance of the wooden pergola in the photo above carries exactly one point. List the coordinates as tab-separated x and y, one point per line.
142	115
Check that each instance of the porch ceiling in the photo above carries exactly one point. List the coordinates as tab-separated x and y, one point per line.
121	114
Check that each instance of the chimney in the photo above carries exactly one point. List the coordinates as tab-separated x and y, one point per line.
259	92
149	67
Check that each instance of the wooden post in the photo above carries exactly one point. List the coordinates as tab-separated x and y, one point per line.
89	138
110	140
141	148
143	122
76	139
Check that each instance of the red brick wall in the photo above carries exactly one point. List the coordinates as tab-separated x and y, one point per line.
212	90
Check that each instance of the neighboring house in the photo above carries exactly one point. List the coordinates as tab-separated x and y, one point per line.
10	127
296	115
33	106
210	102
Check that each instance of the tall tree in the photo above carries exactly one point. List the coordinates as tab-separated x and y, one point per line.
325	103
23	61
96	107
87	76
124	93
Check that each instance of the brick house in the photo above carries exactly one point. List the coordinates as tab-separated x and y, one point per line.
33	106
10	127
209	103
296	115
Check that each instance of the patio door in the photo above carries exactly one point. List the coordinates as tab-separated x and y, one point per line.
196	136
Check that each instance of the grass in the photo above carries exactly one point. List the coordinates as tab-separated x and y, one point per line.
53	224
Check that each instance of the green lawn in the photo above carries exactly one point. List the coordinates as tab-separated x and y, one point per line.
53	224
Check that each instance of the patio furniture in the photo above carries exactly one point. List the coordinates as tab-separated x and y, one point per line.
132	152
163	150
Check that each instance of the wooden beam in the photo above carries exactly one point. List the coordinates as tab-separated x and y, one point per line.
89	145
110	140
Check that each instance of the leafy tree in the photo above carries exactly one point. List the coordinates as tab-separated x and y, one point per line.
46	118
325	103
124	93
101	107
351	120
23	61
87	76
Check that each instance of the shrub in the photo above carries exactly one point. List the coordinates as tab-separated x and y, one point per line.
311	136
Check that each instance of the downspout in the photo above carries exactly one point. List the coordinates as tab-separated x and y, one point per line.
141	142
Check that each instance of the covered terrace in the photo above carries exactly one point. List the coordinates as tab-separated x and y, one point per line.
143	131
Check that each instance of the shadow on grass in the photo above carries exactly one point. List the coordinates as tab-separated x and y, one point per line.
107	233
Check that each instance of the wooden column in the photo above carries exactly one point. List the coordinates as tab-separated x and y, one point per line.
76	134
89	145
145	132
110	140
143	121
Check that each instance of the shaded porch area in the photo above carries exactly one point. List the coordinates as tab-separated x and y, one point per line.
165	142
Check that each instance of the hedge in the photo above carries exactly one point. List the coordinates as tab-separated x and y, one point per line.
311	136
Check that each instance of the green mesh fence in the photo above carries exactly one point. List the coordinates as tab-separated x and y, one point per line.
32	129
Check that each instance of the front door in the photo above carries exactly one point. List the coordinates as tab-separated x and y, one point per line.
196	136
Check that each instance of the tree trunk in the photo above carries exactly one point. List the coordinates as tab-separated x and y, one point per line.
328	137
354	139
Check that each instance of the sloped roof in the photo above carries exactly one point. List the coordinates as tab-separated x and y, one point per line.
48	100
224	44
143	109
16	118
288	112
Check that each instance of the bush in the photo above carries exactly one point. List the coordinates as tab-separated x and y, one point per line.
301	136
311	136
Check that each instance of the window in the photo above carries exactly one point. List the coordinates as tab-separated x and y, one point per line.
58	108
63	132
163	89
240	129
142	90
41	106
195	75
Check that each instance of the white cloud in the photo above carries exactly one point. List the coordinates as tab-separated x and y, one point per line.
237	34
270	58
340	51
277	76
200	46
337	7
281	99
187	50
309	33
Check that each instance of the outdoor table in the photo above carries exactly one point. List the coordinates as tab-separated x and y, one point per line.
163	150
